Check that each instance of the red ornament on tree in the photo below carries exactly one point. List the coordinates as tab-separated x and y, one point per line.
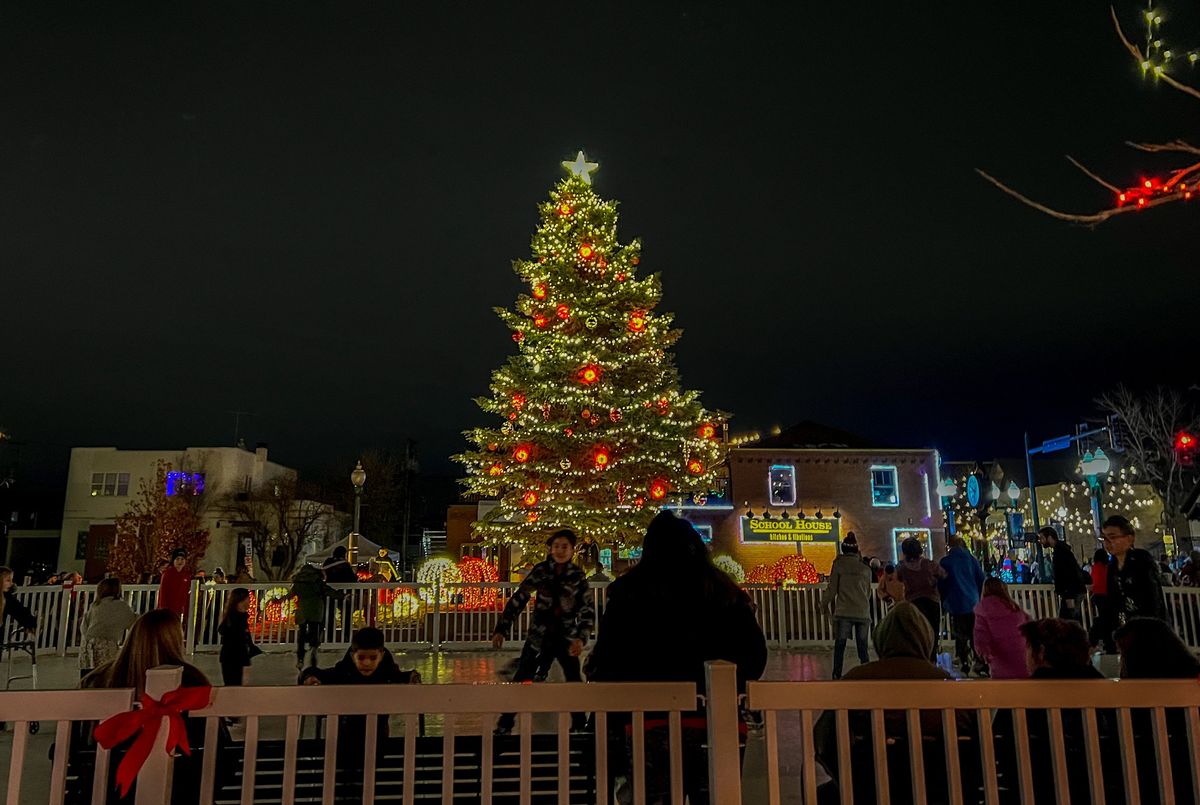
586	251
530	499
518	336
637	321
539	321
707	431
619	276
539	291
589	374
614	415
518	400
600	457
522	453
586	413
564	209
635	260
663	406
695	466
531	517
639	502
658	489
495	470
563	312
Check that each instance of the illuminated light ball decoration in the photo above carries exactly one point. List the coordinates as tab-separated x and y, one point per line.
473	570
406	606
761	574
540	321
637	321
707	431
658	489
586	250
601	457
589	374
436	571
695	466
530	499
522	453
539	291
563	312
496	470
729	566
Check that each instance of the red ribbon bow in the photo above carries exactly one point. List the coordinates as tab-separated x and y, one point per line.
145	723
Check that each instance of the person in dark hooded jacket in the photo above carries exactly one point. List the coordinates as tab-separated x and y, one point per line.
310	589
662	620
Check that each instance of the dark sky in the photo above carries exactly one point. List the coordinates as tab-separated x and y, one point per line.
308	211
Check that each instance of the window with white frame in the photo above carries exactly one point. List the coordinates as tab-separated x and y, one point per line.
110	484
781	485
885	491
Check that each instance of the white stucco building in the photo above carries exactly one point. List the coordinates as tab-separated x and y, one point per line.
101	480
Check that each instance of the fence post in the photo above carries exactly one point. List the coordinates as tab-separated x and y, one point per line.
64	617
724	755
154	780
190	620
436	642
781	617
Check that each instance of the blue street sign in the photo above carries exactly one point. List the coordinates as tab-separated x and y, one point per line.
1060	443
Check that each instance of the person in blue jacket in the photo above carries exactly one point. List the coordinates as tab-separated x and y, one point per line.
960	591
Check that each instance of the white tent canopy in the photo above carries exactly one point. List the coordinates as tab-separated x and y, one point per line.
367	550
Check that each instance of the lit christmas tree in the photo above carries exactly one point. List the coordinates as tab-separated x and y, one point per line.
596	434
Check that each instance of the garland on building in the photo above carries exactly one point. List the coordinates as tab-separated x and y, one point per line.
595	432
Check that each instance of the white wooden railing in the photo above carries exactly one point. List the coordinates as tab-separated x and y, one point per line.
942	741
461	616
464	712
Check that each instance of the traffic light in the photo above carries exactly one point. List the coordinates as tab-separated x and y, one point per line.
1185	448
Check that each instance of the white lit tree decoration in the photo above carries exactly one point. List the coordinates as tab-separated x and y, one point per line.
1161	62
595	432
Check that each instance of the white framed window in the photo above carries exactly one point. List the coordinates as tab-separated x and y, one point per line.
781	485
885	490
110	484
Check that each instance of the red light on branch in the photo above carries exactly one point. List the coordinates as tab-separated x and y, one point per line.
707	431
586	251
540	321
564	209
563	312
600	457
637	321
522	453
695	466
495	470
658	489
530	499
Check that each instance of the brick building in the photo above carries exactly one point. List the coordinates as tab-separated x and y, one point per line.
805	489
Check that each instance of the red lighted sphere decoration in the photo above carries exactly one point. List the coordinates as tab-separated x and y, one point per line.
600	457
564	209
707	431
695	466
663	405
518	400
539	320
619	276
563	312
635	259
495	470
586	251
637	321
794	569
589	374
530	499
658	489
518	336
531	517
476	571
522	453
539	291
639	502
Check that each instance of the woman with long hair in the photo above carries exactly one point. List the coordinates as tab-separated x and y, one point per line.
103	626
998	640
155	639
237	646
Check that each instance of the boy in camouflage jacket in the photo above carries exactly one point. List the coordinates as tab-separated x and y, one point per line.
563	618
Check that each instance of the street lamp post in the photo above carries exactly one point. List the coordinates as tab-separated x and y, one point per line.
359	478
1095	467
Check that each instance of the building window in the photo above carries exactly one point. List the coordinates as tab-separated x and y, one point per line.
884	489
110	484
185	483
781	483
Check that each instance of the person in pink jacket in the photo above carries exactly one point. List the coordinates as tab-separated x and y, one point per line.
998	638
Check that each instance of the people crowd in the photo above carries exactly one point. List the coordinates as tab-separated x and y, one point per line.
674	610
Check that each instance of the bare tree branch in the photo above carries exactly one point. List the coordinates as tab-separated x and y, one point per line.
1089	219
1092	176
1174	145
1139	57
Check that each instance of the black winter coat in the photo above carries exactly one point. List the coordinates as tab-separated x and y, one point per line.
650	634
14	609
1068	576
237	646
1135	590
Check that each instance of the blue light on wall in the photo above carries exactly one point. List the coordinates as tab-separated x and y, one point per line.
184	483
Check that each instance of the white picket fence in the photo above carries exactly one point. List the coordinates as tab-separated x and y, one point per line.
972	741
925	741
462	616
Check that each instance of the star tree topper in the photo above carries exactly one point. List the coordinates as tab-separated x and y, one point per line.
581	167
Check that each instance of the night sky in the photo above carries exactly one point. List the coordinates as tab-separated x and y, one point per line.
308	213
